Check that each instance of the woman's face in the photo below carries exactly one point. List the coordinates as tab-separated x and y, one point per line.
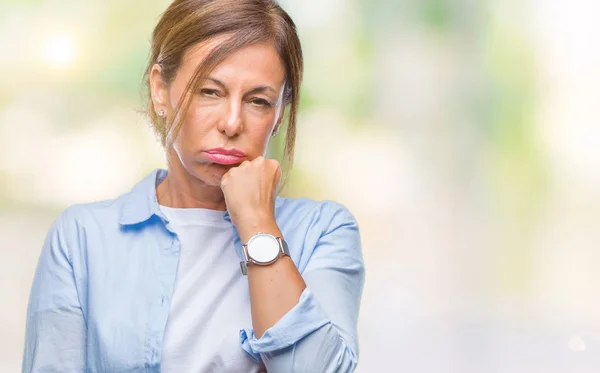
232	114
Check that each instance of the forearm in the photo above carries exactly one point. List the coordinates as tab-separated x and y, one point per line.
315	332
304	340
274	289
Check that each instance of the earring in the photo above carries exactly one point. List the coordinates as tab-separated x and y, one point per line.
161	113
274	133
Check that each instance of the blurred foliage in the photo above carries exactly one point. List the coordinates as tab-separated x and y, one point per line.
115	49
516	167
437	14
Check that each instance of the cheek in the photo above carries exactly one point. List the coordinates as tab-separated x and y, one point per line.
259	122
189	135
198	121
259	137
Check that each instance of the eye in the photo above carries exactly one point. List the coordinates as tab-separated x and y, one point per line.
261	102
209	92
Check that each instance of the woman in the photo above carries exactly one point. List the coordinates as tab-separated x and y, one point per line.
202	268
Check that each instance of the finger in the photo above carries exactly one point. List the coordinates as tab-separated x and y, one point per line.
272	161
224	180
273	165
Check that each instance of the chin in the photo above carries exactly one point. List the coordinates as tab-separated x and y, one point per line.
211	174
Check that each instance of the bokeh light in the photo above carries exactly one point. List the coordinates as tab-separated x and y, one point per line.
60	51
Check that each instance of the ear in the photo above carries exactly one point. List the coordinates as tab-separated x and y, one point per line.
159	89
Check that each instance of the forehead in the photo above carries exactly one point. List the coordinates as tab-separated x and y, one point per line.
251	62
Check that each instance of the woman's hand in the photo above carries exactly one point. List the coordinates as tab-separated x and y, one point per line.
250	190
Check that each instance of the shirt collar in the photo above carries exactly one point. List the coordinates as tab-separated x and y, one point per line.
141	202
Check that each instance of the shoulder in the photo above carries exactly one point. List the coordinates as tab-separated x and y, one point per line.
324	234
98	212
325	214
76	221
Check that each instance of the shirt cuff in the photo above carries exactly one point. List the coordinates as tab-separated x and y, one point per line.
306	317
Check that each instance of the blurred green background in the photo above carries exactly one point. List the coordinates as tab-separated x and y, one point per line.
464	135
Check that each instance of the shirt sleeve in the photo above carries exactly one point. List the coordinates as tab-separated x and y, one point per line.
319	334
55	338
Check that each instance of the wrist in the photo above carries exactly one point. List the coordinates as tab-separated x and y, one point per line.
251	227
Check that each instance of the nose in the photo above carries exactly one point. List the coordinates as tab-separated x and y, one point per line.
232	124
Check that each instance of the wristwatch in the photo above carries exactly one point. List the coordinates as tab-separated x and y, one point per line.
263	249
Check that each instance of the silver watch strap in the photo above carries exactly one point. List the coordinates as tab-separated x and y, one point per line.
284	246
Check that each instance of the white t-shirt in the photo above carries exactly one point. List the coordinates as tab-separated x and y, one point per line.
211	302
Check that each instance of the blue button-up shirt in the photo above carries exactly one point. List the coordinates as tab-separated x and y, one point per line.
104	281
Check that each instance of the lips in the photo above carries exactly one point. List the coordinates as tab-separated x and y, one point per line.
225	156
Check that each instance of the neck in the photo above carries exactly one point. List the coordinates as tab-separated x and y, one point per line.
181	190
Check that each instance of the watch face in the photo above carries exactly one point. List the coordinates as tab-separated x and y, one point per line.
263	248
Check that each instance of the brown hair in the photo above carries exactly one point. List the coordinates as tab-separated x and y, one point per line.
188	22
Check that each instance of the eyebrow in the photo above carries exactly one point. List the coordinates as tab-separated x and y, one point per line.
259	89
